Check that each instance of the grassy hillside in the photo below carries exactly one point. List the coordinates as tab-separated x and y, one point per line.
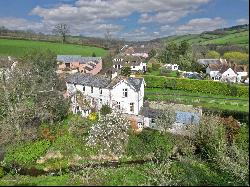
19	47
237	35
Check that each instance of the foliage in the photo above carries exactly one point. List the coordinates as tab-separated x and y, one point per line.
237	57
1	172
213	55
105	110
125	71
211	139
149	143
32	95
110	134
93	54
156	66
204	86
26	154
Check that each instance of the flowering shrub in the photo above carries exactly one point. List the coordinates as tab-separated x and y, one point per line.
92	116
110	134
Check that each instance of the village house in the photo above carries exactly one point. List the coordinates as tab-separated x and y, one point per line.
135	51
134	62
77	63
172	67
206	62
223	72
123	94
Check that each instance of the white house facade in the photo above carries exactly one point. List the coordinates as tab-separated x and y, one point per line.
172	67
229	75
134	62
122	94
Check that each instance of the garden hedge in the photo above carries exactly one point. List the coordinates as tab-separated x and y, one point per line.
193	85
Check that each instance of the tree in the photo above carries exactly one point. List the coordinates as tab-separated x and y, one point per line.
237	57
213	54
165	120
93	54
110	134
105	110
62	30
31	96
126	71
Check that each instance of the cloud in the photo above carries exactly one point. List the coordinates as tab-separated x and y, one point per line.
199	25
242	21
20	24
87	16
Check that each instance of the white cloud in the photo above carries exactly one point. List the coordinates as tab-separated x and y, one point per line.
20	24
199	25
242	21
86	15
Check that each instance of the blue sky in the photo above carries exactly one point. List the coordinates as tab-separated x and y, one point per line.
129	19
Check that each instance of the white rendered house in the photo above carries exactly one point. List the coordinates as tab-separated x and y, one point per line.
124	94
172	67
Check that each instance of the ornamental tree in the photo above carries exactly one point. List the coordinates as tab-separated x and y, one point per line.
110	134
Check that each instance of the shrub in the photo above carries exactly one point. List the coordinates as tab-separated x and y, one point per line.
92	116
156	66
204	86
1	172
26	154
105	110
149	142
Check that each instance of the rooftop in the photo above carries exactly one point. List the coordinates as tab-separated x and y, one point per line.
102	81
77	58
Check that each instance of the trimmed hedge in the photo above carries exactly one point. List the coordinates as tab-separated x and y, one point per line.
193	85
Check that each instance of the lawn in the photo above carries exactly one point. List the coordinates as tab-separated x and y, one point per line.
19	47
199	99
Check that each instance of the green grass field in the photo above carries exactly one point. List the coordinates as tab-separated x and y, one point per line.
19	47
233	37
185	97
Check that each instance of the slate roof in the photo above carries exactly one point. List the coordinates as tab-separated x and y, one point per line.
206	62
135	82
132	61
88	80
102	81
77	58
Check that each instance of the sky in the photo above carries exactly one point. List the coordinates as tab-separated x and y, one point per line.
135	20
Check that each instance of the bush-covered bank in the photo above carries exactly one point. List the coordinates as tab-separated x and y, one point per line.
196	86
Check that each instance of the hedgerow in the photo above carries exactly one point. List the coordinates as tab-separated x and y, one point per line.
196	86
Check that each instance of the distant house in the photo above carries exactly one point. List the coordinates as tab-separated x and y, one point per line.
113	72
228	75
241	71
172	67
135	51
206	62
120	93
77	63
134	62
213	71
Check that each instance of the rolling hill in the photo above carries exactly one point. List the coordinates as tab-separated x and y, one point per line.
236	35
